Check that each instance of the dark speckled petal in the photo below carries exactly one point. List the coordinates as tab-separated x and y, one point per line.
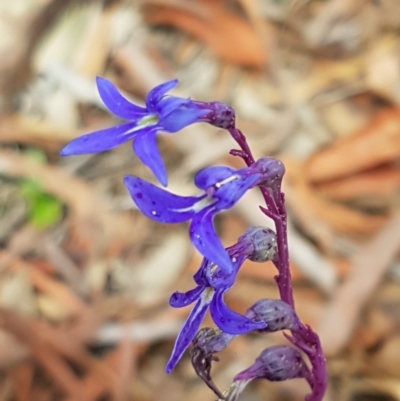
158	204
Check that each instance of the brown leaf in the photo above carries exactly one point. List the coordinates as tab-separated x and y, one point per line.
308	207
229	36
376	144
368	266
377	186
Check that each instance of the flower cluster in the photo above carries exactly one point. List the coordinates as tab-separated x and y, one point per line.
219	189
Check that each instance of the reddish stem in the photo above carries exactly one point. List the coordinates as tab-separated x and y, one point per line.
304	337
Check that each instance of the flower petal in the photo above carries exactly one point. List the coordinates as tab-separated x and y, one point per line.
155	95
181	118
168	104
158	204
229	321
204	238
181	299
220	280
211	175
200	277
145	147
188	332
116	103
229	193
100	141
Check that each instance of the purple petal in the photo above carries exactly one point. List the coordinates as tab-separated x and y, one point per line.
155	95
187	333
158	204
229	193
168	104
181	118
211	175
100	141
221	280
204	238
116	103
145	147
182	299
229	321
200	277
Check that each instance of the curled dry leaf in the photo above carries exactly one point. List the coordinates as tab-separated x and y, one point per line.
228	35
310	206
373	188
376	144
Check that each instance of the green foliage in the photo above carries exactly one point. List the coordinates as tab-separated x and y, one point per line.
44	209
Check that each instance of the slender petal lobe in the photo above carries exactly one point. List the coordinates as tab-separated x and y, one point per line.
155	95
206	241
188	332
99	141
182	299
116	103
145	147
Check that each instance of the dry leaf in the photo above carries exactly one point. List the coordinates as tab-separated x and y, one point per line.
228	35
376	144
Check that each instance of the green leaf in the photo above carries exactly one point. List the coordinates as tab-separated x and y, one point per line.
44	209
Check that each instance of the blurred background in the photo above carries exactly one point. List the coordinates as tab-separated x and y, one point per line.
85	279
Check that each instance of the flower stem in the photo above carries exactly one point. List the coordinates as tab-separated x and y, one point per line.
304	337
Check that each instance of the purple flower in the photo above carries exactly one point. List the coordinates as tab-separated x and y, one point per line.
222	187
208	297
276	314
162	113
210	291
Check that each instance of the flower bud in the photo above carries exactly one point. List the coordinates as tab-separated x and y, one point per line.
212	340
272	171
277	314
277	363
205	344
223	115
260	243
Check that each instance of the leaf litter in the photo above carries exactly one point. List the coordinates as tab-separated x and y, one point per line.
83	294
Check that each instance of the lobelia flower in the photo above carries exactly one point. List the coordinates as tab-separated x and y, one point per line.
209	297
276	314
222	187
161	113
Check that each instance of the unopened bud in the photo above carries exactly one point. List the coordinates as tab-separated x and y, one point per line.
207	342
223	115
212	340
260	243
272	171
277	363
277	314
